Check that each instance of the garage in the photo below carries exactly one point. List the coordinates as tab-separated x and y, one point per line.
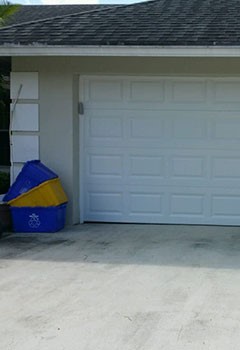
160	150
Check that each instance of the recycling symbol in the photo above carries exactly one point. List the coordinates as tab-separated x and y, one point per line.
34	221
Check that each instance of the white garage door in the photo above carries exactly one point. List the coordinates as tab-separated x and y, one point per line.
160	150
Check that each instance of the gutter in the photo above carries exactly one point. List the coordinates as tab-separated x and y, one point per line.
122	51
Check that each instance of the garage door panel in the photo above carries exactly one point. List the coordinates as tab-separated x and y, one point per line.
162	167
189	128
144	181
161	150
188	167
105	165
101	91
146	204
103	204
190	92
105	128
226	129
225	205
160	129
146	91
149	128
226	168
183	204
146	166
226	91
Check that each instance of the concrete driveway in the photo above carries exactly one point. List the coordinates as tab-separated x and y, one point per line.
121	287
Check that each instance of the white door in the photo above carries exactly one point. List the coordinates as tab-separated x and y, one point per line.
160	150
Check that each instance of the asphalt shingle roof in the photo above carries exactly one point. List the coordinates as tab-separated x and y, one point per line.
28	13
157	22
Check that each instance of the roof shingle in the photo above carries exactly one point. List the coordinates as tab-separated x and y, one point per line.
157	23
29	13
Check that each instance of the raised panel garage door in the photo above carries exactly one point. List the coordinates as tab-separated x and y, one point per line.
160	150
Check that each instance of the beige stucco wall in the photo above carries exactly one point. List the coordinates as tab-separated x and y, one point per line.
58	91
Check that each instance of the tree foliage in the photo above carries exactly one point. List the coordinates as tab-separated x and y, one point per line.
6	10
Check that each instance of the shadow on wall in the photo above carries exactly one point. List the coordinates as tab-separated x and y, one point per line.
130	244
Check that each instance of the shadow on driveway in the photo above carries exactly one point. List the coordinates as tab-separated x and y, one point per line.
113	244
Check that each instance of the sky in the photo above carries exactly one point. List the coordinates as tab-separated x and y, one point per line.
69	2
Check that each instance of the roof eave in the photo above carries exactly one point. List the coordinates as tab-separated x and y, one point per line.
122	51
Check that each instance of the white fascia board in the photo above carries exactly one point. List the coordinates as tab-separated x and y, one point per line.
124	51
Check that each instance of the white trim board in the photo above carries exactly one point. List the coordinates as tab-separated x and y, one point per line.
25	117
122	51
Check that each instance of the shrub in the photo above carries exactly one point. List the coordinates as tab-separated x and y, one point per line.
4	182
